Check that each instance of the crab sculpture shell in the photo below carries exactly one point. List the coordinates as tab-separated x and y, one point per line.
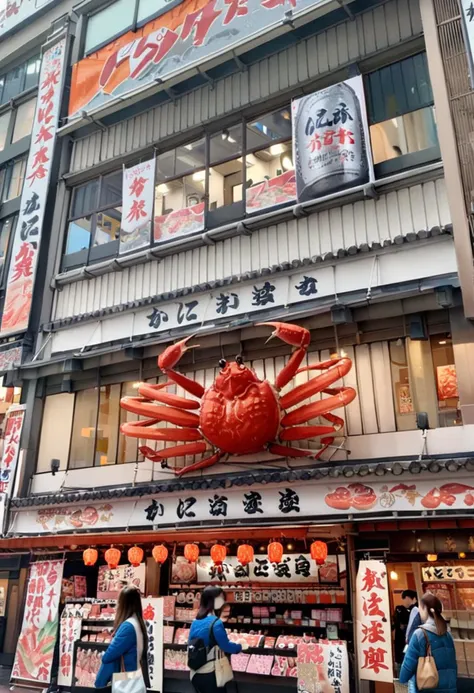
239	414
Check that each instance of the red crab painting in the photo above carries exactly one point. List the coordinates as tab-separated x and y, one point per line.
239	414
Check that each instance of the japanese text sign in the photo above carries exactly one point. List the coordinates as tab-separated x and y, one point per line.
110	581
153	617
11	447
467	13
292	568
187	35
13	12
70	632
137	206
330	140
374	638
35	649
26	243
323	663
442	573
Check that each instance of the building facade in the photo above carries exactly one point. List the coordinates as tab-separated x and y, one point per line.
204	100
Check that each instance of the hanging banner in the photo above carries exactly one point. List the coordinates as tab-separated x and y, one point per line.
331	141
11	447
186	36
13	12
26	243
467	13
70	632
294	568
374	637
138	190
153	616
39	631
269	193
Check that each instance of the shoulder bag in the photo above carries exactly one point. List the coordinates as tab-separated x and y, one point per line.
129	681
224	673
427	676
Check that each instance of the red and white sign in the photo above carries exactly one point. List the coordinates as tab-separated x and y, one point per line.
26	244
70	632
11	447
374	638
13	12
272	192
323	662
35	649
179	223
153	616
110	582
137	206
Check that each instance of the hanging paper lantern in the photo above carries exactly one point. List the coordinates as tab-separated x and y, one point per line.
160	553
275	552
90	556
191	552
218	554
112	556
135	556
319	552
245	554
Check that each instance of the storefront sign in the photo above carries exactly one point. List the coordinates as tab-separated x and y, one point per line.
282	502
70	632
11	447
153	616
331	140
13	12
292	568
26	243
272	192
10	358
187	35
441	573
138	190
179	223
374	637
110	582
323	666
35	649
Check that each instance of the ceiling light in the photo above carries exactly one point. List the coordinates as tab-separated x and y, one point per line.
225	135
461	554
393	575
162	188
199	175
188	147
231	139
136	386
287	163
432	557
276	149
442	342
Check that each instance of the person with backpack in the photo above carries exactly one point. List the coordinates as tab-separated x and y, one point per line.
207	637
430	661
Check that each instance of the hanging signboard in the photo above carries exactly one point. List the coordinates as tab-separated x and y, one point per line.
138	189
153	617
186	36
13	12
35	648
27	239
331	141
11	447
442	573
373	630
70	632
10	358
110	582
298	568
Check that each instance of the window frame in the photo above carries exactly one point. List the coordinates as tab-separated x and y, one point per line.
34	55
7	179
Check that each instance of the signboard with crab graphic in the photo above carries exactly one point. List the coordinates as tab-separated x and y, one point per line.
35	649
153	616
57	519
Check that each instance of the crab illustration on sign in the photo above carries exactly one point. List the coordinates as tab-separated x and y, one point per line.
62	518
239	413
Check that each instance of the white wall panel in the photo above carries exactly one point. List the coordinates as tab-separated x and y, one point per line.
365	389
381	372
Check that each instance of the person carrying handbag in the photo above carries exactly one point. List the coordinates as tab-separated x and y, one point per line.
125	661
430	661
208	645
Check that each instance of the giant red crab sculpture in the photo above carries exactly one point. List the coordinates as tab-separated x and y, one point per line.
239	413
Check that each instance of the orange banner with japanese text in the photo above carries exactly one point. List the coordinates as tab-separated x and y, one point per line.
374	636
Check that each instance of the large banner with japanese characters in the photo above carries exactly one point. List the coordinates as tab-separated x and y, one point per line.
153	617
467	13
138	190
26	243
373	629
331	141
11	447
39	631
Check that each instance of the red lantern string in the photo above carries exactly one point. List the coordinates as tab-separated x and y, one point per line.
245	554
191	552
112	556
90	556
160	554
135	556
319	552
275	552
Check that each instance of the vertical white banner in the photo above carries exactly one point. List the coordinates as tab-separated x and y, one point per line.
153	616
70	632
374	636
331	140
27	240
137	206
11	447
467	13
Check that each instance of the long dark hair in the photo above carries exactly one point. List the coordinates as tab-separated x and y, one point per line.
130	604
434	607
208	597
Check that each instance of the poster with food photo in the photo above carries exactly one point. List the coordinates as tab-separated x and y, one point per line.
447	382
111	581
178	223
183	572
271	192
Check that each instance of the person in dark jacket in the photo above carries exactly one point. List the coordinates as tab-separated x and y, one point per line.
442	648
401	619
212	602
130	641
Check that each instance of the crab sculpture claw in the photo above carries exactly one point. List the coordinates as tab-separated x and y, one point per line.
296	336
172	354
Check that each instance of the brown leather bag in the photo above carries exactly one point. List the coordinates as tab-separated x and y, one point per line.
427	676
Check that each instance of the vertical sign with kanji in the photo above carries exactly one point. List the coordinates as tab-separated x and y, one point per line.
153	617
39	631
374	638
11	448
26	244
467	13
138	189
70	632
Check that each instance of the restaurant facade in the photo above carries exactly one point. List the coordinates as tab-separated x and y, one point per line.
230	172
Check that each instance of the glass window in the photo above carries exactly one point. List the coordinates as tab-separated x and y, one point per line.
268	128
113	20
150	8
107	425
226	144
190	157
225	183
111	189
79	235
85	198
55	431
270	179
2	84
14	179
4	123
14	81
179	193
84	427
128	447
24	117
449	411
33	68
406	134
108	226
403	395
7	229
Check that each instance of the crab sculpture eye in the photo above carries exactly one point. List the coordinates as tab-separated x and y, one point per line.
222	363
239	360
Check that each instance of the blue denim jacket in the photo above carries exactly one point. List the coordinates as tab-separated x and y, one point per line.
124	644
442	649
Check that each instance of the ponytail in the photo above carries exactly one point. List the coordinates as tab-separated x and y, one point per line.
434	608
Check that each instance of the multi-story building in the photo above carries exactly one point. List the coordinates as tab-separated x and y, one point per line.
207	97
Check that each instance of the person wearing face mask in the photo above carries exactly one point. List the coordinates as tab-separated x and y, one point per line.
434	630
209	629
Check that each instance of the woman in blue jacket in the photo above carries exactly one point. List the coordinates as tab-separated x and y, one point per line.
130	640
212	601
442	648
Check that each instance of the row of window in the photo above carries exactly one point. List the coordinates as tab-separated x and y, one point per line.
12	177
224	177
83	430
17	123
121	16
19	79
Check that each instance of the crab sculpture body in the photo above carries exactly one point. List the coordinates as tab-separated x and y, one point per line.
240	414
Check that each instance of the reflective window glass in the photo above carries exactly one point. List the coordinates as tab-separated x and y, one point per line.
79	235
190	157
225	183
108	226
270	127
33	68
24	117
84	429
85	198
111	21
406	134
107	425
111	189
14	81
226	144
4	123
150	8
